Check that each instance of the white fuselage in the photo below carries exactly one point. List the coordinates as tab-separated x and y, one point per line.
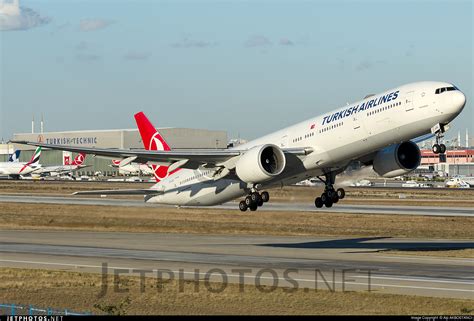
58	170
15	168
135	169
336	138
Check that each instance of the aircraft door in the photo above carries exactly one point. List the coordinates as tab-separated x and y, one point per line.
284	142
409	106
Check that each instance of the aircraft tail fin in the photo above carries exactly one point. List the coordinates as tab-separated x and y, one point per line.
15	157
152	140
34	161
79	160
36	157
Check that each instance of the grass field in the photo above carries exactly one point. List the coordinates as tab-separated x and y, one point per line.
412	197
80	292
219	221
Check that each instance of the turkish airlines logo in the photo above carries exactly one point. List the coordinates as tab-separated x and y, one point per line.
161	172
156	143
79	159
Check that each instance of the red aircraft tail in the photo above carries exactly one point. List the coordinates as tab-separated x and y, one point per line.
152	140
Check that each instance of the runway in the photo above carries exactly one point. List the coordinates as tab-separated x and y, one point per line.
344	262
299	207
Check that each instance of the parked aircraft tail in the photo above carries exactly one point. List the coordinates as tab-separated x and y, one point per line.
79	160
15	157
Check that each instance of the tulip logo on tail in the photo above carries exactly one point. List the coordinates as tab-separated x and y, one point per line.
157	143
79	160
152	140
34	160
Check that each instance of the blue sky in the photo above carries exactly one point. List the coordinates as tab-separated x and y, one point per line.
248	67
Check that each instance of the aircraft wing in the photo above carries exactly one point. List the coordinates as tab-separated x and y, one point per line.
422	138
121	192
182	158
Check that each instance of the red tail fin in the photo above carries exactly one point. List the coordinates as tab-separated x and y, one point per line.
79	160
152	140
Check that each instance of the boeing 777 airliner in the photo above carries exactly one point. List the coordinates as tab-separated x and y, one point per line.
376	131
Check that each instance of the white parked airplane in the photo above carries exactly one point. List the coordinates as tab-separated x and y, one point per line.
375	131
68	167
16	169
132	169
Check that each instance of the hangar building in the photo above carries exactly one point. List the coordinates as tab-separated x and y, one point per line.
182	138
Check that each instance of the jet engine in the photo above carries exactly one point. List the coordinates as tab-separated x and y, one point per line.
260	163
397	159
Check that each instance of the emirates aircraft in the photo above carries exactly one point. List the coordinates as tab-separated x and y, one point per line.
16	169
377	130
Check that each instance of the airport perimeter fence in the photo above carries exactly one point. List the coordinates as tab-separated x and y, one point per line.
13	309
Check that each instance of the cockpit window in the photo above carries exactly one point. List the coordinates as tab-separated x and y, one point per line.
442	90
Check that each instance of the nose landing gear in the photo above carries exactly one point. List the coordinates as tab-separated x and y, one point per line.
439	131
254	200
439	148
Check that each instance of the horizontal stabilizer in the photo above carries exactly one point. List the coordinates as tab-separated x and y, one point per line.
121	192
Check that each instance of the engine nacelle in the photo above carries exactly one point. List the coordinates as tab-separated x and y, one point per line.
260	163
397	159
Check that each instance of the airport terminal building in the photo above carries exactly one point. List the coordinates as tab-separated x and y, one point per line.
114	138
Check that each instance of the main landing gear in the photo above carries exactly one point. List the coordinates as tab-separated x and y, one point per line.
254	200
330	195
439	131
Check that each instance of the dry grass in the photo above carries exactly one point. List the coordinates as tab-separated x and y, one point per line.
281	194
219	221
79	292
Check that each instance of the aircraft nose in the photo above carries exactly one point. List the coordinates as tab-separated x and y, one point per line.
459	100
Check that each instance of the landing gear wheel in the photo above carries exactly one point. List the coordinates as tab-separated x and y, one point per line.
324	197
330	193
260	202
248	201
242	206
442	148
335	199
255	197
341	193
436	148
328	203
318	202
265	197
253	207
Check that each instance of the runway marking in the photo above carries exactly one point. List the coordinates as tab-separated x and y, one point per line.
428	259
414	279
253	277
